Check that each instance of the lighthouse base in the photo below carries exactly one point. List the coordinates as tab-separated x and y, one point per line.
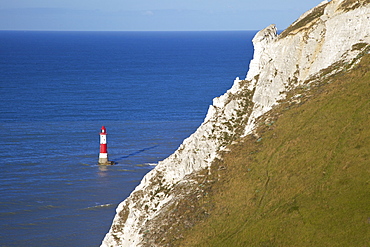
105	162
109	163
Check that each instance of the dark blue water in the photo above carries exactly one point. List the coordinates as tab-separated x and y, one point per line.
150	89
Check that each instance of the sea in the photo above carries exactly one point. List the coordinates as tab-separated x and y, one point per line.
151	90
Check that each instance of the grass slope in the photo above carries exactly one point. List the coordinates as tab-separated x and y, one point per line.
304	180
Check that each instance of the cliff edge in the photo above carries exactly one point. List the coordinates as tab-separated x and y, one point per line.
326	40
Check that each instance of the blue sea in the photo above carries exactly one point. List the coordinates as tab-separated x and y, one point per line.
150	90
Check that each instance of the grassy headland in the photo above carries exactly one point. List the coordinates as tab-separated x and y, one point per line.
302	180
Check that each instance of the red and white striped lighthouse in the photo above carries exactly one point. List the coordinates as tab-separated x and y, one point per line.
103	155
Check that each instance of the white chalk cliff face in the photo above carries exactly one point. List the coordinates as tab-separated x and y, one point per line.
333	33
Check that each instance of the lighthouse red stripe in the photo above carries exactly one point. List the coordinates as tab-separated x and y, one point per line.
103	148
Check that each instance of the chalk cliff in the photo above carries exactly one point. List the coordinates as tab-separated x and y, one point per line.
325	40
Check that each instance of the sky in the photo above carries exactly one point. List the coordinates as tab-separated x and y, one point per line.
150	15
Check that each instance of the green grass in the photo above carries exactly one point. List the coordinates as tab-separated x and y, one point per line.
309	20
306	22
303	181
353	4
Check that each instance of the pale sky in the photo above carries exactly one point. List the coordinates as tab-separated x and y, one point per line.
150	15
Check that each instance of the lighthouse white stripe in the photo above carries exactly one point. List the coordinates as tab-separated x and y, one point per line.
103	139
103	155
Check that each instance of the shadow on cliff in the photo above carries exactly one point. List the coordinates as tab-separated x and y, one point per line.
134	153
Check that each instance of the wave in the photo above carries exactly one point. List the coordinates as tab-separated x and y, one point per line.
108	205
151	164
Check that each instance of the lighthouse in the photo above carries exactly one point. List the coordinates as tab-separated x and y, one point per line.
103	155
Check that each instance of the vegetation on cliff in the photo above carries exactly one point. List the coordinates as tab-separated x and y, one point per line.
303	178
